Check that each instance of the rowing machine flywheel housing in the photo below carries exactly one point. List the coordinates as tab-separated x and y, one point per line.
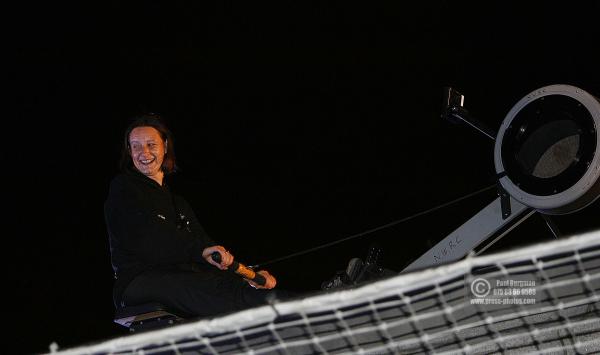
547	152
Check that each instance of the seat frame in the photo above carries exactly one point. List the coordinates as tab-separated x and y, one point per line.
145	316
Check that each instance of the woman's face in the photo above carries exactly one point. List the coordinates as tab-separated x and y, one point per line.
147	151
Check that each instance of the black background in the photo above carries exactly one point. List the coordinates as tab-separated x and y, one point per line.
295	125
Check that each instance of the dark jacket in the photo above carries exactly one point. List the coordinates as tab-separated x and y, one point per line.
149	227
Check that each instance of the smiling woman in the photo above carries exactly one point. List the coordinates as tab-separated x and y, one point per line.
159	250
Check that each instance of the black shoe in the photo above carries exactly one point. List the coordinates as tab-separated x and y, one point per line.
334	282
345	278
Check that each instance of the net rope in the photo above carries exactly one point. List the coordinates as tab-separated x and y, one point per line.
552	304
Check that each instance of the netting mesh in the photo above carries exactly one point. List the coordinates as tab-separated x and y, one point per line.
539	299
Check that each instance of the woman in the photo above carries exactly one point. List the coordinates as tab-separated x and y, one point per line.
159	251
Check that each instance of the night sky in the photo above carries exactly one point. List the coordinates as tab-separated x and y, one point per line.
295	125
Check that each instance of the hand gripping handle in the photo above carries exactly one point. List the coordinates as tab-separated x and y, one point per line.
241	270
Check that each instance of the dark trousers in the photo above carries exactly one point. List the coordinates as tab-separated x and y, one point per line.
195	290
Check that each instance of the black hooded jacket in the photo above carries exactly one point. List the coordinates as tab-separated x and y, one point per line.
149	227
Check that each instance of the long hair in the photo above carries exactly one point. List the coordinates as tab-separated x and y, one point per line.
149	120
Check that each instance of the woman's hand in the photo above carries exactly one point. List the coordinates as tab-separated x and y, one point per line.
226	257
270	280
